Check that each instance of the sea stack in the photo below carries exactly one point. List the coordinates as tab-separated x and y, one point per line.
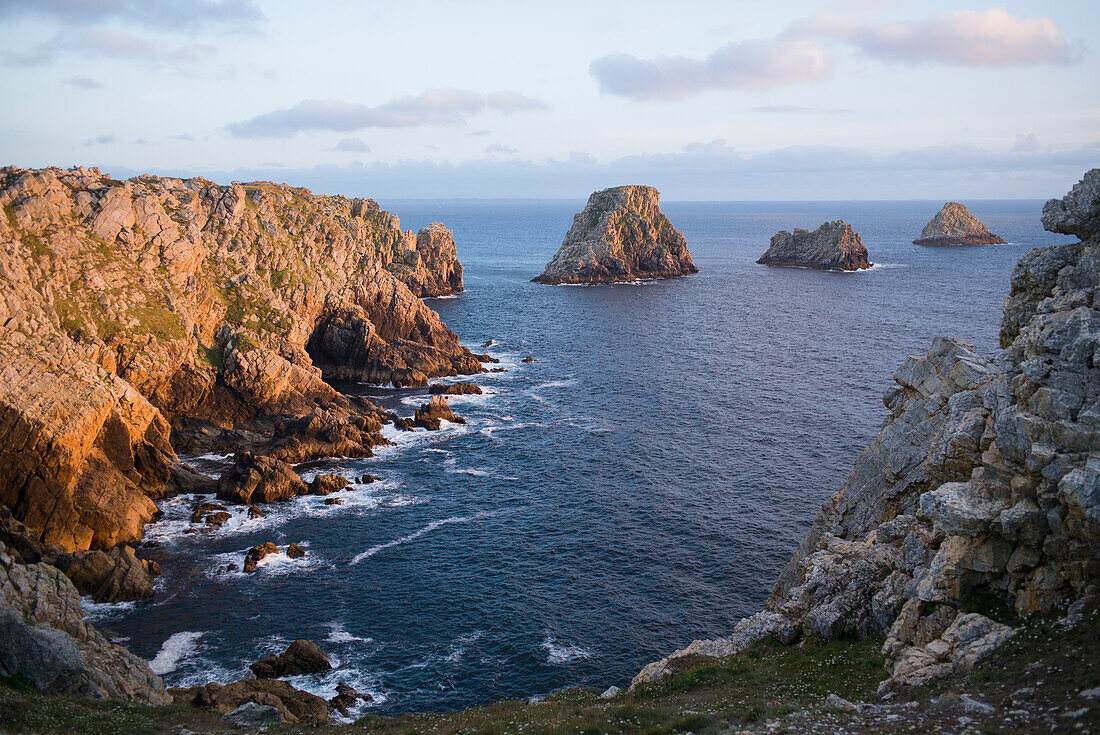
954	225
834	246
621	235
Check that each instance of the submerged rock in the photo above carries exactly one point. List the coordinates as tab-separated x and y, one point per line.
955	225
621	235
300	657
834	246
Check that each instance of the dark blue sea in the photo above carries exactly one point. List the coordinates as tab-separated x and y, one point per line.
637	487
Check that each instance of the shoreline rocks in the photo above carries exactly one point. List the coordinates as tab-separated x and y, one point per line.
833	246
300	657
955	225
430	415
621	235
456	389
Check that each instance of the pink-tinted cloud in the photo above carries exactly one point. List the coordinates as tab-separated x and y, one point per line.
750	64
993	37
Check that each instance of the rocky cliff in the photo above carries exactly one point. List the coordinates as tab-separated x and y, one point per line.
834	246
137	315
955	225
984	483
621	235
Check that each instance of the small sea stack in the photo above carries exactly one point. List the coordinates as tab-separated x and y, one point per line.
834	246
621	235
954	225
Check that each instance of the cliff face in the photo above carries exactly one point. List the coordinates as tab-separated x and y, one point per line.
621	235
955	225
985	479
833	246
136	312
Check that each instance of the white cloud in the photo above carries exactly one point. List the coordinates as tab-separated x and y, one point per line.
498	148
351	145
83	82
993	37
108	44
236	15
433	107
750	64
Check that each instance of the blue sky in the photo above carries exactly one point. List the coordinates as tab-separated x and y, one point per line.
705	99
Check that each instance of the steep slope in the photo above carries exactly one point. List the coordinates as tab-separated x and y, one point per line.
621	235
955	225
139	313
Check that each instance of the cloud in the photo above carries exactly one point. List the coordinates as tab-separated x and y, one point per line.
509	102
351	145
83	82
1026	143
189	15
479	133
750	64
101	140
181	136
798	110
706	170
992	37
109	44
498	148
448	107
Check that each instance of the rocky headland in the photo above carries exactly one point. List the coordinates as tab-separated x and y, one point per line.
982	491
834	246
955	225
139	318
621	235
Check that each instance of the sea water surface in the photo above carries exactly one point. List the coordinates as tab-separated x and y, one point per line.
637	487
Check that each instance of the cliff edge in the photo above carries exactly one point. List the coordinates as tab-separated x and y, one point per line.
621	235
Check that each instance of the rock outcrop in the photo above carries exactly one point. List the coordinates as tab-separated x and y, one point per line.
44	638
456	389
834	246
432	414
955	225
293	705
621	235
300	657
984	483
137	312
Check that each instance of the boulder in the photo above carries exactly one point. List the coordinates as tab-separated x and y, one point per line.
346	698
621	235
430	415
455	389
834	246
257	553
117	575
254	479
327	484
300	657
955	225
251	714
293	705
294	551
1078	212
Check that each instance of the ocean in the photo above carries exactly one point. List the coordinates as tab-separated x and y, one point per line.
636	487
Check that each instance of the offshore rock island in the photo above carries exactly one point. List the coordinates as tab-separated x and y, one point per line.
834	246
621	235
955	225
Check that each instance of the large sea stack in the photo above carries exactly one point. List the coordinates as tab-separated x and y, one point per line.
954	225
139	318
983	484
621	235
834	246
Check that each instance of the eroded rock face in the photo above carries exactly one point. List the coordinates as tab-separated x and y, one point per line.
43	637
621	235
955	225
985	479
834	246
133	309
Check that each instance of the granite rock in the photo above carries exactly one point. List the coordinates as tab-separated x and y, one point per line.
955	225
834	246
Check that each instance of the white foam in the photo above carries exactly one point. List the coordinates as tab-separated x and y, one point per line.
179	647
461	645
337	634
271	565
426	529
559	653
103	610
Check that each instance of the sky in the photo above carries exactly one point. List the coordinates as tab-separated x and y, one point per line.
704	99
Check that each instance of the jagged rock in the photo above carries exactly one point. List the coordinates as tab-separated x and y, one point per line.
129	308
346	698
117	575
1078	212
294	705
955	225
43	636
257	553
251	714
456	389
327	484
300	657
294	551
254	479
430	415
621	235
428	264
834	246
